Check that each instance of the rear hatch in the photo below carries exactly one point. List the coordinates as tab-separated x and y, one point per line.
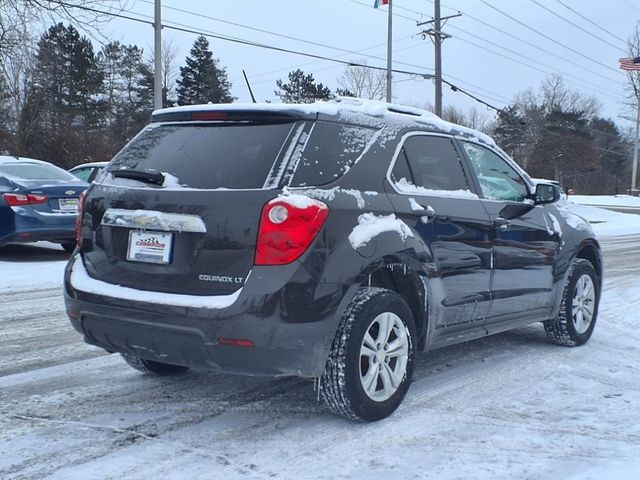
178	209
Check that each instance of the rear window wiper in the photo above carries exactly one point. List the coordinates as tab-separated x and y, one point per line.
147	176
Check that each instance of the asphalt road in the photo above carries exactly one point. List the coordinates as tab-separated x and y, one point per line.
508	406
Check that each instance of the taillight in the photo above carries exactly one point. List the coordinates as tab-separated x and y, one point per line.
22	199
80	219
288	225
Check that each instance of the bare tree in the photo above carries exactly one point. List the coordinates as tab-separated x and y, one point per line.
364	82
169	70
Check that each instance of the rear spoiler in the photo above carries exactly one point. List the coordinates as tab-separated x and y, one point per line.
236	116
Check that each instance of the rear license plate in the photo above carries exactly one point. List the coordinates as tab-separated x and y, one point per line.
68	204
150	247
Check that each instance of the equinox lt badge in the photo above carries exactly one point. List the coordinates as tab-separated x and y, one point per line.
220	278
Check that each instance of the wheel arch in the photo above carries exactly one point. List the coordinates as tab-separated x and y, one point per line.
399	276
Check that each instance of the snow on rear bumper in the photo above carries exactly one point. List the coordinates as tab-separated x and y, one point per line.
289	340
80	280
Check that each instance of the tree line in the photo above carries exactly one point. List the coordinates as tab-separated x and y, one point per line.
66	103
69	104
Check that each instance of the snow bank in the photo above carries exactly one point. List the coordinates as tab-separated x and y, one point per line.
606	200
369	226
81	280
605	223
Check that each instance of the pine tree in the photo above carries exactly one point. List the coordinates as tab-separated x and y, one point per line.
62	114
202	80
128	93
302	89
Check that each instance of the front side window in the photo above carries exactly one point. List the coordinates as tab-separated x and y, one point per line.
498	179
429	163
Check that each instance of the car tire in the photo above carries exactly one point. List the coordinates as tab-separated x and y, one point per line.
69	247
579	308
149	366
377	331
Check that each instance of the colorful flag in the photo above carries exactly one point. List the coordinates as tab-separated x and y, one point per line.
377	3
630	64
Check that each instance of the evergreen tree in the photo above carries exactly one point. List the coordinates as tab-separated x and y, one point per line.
302	88
61	116
202	80
128	94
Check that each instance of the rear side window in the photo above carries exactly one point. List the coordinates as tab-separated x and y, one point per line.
207	156
332	149
432	162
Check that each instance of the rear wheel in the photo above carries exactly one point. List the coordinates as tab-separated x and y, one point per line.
579	309
371	361
149	366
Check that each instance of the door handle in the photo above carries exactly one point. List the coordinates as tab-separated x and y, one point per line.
423	212
502	223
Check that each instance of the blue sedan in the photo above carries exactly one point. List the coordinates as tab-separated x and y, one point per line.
38	201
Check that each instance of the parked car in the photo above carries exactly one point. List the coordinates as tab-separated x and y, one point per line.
330	241
38	201
87	171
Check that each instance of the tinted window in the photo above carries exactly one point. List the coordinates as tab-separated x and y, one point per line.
331	151
34	171
498	180
207	156
433	163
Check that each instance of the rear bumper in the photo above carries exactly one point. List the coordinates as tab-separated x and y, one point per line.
27	225
284	344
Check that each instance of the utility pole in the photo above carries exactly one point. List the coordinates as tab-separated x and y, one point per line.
437	36
157	54
634	168
389	50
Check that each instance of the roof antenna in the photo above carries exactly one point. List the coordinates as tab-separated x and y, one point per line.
253	99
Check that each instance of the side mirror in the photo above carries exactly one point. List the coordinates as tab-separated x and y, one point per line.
546	193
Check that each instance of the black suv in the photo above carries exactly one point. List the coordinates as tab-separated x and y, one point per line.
330	241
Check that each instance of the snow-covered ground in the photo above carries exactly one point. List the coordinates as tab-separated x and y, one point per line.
507	406
607	200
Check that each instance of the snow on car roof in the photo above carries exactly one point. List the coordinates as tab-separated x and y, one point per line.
380	112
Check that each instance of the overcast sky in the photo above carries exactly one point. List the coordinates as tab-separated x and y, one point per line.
588	60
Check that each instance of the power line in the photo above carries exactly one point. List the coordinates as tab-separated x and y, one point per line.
601	90
591	22
531	44
575	24
528	58
551	39
279	49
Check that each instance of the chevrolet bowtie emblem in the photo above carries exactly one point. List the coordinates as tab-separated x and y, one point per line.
70	192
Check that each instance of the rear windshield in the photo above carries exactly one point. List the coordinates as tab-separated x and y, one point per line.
331	151
207	156
34	171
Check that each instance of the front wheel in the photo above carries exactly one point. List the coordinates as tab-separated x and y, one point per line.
371	361
579	309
